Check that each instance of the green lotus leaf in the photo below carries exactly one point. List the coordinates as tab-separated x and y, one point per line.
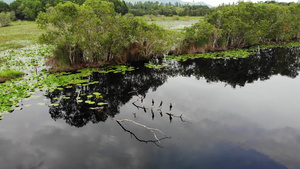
54	104
102	103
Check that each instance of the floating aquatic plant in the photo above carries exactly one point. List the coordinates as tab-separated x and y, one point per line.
230	54
155	66
102	103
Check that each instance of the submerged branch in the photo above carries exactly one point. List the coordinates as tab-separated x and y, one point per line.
179	116
156	141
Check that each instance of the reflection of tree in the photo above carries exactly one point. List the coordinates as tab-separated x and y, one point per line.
238	72
117	88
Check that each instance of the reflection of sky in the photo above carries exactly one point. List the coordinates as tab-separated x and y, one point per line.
254	126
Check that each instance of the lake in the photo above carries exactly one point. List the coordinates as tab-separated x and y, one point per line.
202	113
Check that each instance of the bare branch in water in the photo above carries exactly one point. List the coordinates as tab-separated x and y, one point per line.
153	130
180	116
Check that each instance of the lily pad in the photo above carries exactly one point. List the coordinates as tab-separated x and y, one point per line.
102	103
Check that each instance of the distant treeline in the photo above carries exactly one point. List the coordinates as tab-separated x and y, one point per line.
29	9
167	9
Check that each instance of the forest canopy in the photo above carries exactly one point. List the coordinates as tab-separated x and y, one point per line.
29	9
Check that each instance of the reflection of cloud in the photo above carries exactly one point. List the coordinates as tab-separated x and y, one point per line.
73	150
208	142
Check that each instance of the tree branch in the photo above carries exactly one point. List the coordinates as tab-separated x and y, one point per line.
156	141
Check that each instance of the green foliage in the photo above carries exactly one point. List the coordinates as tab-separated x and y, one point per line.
94	33
29	9
237	53
9	74
175	17
5	18
119	6
201	33
246	24
168	9
16	7
4	7
151	65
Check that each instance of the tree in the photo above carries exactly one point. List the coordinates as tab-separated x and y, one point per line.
4	7
245	24
16	7
120	6
94	32
31	8
5	18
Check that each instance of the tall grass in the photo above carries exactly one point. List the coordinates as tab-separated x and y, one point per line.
9	74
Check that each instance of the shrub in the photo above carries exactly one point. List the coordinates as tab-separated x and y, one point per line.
5	19
175	17
187	18
9	74
94	33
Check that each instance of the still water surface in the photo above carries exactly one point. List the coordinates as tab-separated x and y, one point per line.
234	113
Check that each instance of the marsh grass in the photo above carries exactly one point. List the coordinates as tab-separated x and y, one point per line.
181	18
19	35
9	74
176	24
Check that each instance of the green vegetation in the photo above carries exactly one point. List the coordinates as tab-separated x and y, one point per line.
9	74
4	7
230	54
29	9
168	9
93	33
244	24
170	18
16	89
18	35
5	19
155	66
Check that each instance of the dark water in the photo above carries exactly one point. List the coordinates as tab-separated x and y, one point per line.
215	114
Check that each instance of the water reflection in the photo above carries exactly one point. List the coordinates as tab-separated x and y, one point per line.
118	89
238	72
256	126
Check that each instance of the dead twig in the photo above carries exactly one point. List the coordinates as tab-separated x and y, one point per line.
153	130
180	116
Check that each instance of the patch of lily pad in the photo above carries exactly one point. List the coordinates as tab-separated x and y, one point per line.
155	66
230	54
31	61
13	91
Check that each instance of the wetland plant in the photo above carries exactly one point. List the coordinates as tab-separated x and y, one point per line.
9	74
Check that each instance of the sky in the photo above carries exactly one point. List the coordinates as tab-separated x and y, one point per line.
219	2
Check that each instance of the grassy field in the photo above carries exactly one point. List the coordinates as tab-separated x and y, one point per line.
26	33
19	35
169	18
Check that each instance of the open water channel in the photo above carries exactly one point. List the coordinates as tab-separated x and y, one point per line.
202	113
